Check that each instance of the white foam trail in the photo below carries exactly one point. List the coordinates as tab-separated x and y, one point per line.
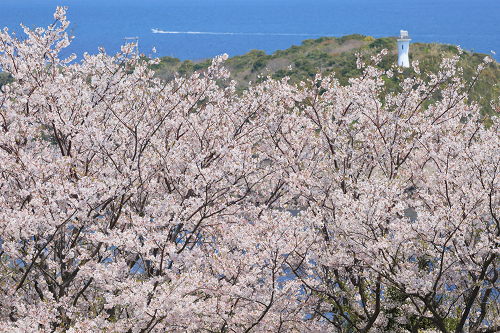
156	31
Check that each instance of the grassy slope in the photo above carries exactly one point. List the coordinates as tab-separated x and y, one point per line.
331	54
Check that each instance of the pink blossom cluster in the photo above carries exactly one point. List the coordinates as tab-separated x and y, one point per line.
128	204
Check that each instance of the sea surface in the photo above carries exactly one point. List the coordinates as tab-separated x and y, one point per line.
198	29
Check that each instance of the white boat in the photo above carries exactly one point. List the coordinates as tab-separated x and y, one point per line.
156	30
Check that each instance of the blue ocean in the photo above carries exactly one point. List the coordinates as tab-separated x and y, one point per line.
198	29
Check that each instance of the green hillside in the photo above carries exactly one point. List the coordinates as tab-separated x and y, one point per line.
336	55
332	54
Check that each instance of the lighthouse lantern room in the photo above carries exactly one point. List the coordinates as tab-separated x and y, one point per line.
403	48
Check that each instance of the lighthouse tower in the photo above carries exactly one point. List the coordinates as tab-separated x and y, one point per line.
403	47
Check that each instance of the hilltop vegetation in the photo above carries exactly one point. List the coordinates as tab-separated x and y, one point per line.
337	55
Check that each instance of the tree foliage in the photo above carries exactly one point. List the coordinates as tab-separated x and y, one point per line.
131	204
336	55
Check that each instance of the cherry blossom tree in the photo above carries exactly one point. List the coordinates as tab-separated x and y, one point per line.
129	204
371	163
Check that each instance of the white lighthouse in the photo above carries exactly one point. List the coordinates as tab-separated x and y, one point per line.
403	47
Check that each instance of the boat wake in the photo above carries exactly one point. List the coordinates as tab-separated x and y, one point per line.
158	31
